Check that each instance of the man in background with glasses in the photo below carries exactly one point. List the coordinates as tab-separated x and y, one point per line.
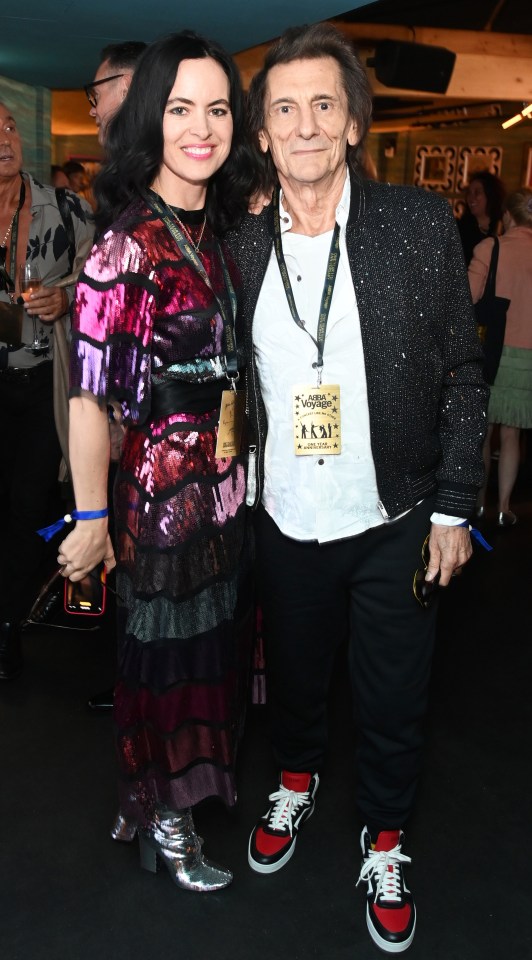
106	94
111	82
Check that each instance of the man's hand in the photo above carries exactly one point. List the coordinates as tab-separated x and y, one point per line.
48	304
450	548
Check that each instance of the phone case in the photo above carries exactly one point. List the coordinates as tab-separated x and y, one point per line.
87	596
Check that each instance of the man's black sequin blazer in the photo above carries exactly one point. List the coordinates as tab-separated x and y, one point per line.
426	395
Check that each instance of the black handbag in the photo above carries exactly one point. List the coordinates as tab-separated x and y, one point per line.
490	315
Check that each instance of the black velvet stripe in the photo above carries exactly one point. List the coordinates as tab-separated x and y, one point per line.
154	771
128	277
120	337
199	314
172	662
206	484
182	426
136	729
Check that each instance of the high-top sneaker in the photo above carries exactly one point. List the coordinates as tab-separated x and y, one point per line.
391	912
273	840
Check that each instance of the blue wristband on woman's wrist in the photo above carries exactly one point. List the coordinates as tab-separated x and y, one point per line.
47	532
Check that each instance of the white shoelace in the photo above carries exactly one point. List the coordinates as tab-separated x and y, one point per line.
383	866
286	804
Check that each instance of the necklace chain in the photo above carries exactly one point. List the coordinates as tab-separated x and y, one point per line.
186	231
8	231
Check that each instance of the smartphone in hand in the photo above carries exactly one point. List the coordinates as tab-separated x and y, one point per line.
87	596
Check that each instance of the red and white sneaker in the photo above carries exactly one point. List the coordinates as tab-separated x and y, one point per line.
390	912
273	840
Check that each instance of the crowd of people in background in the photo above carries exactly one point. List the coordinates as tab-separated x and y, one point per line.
344	422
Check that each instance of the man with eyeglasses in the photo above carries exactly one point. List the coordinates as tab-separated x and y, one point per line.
111	82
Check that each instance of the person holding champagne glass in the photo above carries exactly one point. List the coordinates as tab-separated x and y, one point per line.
35	254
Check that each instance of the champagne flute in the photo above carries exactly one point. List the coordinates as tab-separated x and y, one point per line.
29	282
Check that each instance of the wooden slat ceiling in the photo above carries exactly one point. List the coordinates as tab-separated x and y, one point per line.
492	76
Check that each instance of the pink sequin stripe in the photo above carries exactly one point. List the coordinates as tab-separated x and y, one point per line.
126	309
178	518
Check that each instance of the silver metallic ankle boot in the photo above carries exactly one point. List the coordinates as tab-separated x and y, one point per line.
172	839
123	829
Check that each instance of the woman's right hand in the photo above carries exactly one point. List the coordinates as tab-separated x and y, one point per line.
258	202
84	548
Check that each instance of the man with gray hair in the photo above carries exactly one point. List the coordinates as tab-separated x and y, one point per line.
367	415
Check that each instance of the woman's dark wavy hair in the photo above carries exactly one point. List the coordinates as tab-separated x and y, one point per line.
495	196
134	143
312	43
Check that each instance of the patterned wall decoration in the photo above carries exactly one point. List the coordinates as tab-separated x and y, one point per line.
473	159
435	167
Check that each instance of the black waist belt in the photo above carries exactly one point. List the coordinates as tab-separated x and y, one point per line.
178	396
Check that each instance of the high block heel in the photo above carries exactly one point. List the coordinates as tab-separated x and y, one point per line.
508	519
123	829
172	839
148	856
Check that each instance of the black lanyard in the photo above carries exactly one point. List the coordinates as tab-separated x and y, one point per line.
328	287
158	206
9	277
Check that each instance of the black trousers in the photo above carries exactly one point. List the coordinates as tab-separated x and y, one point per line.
317	596
29	465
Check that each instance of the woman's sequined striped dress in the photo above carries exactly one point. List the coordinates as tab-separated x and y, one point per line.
142	317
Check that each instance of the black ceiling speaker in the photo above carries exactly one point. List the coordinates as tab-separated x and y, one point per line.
413	66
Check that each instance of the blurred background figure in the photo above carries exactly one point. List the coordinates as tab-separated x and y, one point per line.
106	95
510	402
111	82
79	181
77	177
33	232
59	177
484	209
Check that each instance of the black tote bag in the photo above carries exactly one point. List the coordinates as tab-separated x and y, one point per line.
490	315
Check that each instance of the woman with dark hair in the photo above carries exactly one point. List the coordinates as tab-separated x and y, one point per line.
154	336
484	209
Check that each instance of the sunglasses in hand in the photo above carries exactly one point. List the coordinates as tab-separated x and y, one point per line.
425	590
